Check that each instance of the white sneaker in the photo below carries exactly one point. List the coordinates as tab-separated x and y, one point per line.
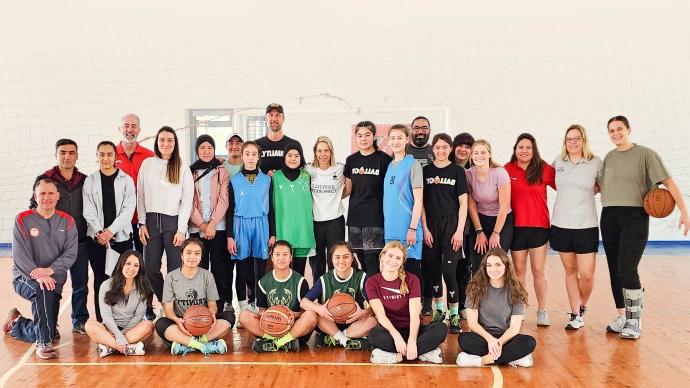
575	322
135	349
543	318
524	362
379	356
104	350
468	360
435	356
617	325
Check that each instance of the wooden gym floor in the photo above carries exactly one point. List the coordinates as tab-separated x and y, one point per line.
585	358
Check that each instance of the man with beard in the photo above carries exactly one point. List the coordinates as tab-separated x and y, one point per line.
274	143
129	155
419	146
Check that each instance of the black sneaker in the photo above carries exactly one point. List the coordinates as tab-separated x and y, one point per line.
324	340
439	316
357	344
292	346
79	328
262	345
455	324
583	309
426	308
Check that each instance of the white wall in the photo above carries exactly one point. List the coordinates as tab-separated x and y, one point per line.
71	69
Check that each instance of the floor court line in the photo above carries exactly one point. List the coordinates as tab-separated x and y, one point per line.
23	361
498	377
239	363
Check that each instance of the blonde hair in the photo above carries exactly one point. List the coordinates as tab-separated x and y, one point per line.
586	153
395	244
329	143
486	144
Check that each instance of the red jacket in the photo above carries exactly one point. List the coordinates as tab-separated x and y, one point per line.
131	164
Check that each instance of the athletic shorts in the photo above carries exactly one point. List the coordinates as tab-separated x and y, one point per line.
251	236
368	238
574	240
528	237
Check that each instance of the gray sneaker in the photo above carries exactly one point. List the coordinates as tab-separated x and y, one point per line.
543	318
525	362
575	322
617	325
379	356
433	356
104	350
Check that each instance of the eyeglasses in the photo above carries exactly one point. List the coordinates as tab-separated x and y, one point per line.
424	128
573	140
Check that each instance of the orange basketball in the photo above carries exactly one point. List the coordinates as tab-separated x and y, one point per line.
341	306
277	320
659	203
198	320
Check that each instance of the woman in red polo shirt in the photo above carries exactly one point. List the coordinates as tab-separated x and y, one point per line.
529	176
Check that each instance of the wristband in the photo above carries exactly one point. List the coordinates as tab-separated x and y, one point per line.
479	230
414	229
498	233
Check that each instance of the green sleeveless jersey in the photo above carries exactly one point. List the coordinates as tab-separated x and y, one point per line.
353	285
282	292
292	204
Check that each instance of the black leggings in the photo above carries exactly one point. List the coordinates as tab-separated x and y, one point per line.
415	267
97	254
518	346
440	261
488	223
299	264
428	338
326	233
368	260
246	283
624	231
222	268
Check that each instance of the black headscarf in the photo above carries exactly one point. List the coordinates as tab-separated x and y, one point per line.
200	164
293	173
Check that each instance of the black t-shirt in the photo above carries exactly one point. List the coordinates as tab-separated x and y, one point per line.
109	206
424	155
442	186
272	157
366	200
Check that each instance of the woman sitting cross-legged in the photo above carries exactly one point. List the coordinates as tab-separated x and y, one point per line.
495	308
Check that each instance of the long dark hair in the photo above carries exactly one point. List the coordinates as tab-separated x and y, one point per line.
476	289
536	165
174	163
371	127
116	294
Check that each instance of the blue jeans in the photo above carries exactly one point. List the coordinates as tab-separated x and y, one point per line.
79	273
44	307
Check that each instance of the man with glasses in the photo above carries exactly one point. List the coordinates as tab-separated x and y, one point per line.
419	146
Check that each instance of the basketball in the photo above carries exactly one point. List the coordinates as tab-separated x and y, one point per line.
659	203
198	320
276	320
341	306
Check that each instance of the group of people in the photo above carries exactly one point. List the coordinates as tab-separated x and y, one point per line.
428	218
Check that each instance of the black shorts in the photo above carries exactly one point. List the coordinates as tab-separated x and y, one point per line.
574	240
368	238
528	237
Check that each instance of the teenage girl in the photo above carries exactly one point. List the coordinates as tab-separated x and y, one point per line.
327	191
165	191
109	204
495	309
529	177
284	287
123	300
207	221
489	204
395	297
343	278
293	206
630	171
188	286
574	233
444	216
365	171
249	227
403	191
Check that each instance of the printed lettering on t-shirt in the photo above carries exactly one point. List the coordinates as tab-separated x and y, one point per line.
440	181
397	295
365	171
192	299
272	153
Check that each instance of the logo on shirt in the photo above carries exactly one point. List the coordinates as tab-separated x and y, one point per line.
440	181
395	290
34	232
272	153
274	297
365	171
118	162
